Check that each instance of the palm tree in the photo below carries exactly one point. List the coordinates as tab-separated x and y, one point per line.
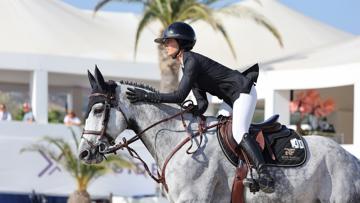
169	11
83	173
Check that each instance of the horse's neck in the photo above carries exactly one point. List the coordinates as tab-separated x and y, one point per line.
161	139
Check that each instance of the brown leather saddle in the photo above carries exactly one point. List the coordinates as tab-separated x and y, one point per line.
280	147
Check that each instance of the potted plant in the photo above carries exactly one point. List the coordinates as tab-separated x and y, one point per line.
308	105
66	157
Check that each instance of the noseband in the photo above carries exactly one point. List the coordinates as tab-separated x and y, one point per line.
110	102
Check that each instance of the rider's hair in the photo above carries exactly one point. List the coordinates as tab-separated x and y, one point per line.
185	45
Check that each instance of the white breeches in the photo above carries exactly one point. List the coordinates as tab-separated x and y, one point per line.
243	112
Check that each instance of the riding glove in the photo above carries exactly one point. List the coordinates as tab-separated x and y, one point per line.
138	95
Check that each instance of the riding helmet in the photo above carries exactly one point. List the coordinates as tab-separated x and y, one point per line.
182	32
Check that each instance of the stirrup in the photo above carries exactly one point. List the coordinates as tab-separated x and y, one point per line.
252	184
267	189
269	186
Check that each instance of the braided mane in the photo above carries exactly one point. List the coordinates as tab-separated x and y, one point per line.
140	85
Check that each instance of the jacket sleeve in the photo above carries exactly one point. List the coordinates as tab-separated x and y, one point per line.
190	74
201	99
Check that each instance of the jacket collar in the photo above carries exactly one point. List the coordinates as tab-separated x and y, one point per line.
186	56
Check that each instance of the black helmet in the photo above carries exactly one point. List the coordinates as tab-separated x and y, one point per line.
182	32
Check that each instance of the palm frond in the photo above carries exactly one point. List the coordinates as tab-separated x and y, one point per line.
249	13
169	11
208	2
66	157
194	12
101	4
39	148
158	11
73	134
224	33
145	20
197	11
118	161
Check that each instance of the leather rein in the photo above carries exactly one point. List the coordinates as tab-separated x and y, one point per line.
110	101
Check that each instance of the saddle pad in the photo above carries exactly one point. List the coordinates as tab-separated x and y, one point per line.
289	148
286	146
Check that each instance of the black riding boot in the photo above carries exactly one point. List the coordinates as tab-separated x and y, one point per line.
252	150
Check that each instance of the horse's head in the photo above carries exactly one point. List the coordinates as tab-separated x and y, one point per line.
104	119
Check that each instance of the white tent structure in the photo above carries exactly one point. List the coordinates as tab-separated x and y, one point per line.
47	42
335	66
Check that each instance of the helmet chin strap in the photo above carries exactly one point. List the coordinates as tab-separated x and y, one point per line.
174	56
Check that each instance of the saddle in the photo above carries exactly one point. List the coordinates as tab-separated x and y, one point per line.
281	147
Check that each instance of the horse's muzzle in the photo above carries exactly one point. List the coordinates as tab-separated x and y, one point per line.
84	155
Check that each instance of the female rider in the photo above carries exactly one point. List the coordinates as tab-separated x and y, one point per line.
201	75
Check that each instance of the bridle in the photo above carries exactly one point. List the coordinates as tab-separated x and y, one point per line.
110	102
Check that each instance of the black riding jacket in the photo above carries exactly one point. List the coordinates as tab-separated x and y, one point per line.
201	75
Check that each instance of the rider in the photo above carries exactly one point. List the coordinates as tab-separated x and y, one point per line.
201	75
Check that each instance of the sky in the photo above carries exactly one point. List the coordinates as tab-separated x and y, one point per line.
341	14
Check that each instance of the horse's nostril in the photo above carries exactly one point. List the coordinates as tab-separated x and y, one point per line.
102	147
84	154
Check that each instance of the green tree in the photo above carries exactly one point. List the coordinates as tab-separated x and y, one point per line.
169	11
61	151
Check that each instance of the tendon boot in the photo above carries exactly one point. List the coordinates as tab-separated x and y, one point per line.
252	150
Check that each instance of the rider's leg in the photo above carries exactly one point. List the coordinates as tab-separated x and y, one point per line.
243	111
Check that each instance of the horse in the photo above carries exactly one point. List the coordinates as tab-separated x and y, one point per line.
329	174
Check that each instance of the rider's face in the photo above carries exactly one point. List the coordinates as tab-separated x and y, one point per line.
171	46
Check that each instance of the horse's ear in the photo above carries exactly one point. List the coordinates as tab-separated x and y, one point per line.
92	81
100	78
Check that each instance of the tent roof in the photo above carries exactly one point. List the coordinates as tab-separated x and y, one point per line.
254	43
52	27
347	52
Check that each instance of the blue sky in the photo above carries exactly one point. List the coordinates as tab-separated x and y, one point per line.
342	14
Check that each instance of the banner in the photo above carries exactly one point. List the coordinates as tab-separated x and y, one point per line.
27	171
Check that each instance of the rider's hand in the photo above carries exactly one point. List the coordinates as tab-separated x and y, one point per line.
138	95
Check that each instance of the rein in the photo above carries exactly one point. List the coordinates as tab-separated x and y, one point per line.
161	177
138	135
109	102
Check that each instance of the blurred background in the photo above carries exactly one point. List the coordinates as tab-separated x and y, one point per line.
308	51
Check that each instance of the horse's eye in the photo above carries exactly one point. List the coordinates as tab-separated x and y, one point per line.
98	110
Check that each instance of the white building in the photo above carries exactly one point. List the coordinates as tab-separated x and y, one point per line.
334	70
48	45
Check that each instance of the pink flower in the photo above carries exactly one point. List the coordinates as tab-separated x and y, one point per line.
309	102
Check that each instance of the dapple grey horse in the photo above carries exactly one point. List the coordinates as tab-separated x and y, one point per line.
330	174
